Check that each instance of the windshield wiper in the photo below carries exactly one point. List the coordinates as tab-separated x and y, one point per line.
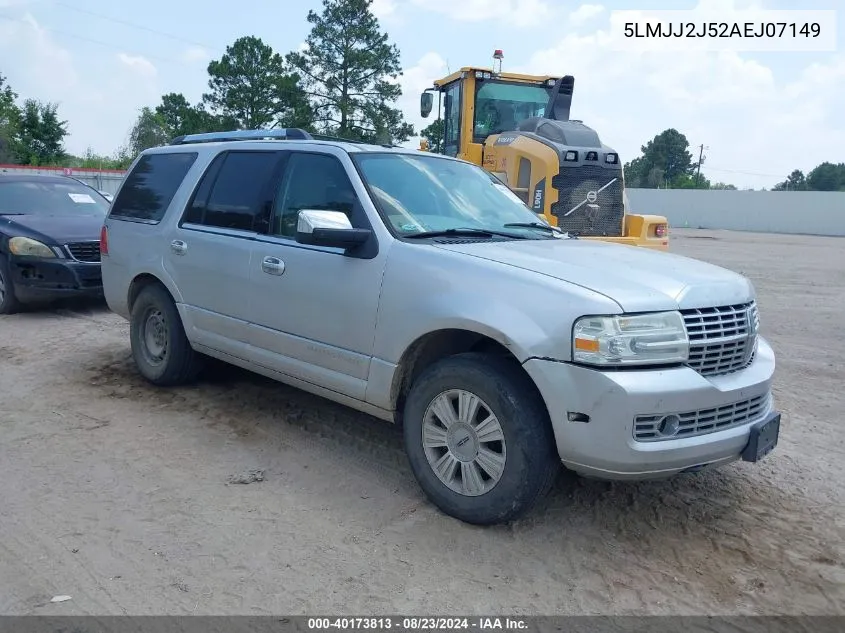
473	232
537	225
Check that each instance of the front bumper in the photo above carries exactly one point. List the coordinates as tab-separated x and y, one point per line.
605	446
37	279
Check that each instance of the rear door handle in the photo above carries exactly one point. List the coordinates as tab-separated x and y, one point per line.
273	266
179	247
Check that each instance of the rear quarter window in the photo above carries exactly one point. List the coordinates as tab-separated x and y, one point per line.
151	185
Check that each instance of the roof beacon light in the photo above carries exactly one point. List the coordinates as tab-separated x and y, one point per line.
498	56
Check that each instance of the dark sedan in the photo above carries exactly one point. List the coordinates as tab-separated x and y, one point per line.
49	239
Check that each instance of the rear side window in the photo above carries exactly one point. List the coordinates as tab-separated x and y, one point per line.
151	185
235	192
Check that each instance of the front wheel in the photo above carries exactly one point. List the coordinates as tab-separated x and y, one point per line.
8	301
478	439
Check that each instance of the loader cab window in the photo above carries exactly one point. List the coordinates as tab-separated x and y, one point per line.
501	106
452	118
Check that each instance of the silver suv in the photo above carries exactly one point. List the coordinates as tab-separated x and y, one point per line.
418	288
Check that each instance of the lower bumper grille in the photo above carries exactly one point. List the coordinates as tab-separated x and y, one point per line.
653	428
85	251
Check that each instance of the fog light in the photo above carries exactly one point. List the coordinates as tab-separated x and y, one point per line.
669	425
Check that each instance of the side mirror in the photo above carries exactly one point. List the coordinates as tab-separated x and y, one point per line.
328	228
426	104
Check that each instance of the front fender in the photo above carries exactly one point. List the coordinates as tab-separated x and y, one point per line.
426	289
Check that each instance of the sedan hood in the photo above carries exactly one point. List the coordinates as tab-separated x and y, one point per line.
637	279
55	229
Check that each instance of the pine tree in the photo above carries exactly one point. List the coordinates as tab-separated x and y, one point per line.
350	72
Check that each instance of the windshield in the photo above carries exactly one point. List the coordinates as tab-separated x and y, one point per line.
418	194
31	197
501	106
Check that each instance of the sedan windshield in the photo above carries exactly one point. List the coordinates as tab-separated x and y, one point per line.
423	194
31	197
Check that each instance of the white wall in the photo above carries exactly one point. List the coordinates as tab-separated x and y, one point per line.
800	212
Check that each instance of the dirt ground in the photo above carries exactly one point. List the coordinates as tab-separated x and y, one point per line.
118	494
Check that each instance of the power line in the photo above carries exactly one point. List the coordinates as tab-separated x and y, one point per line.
93	41
747	173
133	25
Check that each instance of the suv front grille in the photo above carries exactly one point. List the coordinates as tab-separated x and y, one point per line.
722	339
85	251
604	189
654	428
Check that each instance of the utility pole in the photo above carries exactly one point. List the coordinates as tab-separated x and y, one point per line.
701	149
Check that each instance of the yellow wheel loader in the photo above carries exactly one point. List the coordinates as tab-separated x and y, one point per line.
518	127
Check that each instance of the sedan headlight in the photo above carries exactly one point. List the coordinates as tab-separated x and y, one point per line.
643	339
27	247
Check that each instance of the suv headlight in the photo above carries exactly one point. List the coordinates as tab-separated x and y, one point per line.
642	339
29	248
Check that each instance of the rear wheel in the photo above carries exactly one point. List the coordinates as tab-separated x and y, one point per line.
8	301
160	347
478	439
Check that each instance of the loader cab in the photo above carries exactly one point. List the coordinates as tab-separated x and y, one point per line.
475	103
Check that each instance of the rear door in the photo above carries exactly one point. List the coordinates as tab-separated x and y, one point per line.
210	249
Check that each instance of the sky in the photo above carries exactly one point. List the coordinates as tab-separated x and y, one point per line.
759	114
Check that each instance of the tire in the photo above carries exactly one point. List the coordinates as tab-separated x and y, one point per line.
525	456
160	348
9	303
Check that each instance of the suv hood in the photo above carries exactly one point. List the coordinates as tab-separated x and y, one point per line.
637	279
55	229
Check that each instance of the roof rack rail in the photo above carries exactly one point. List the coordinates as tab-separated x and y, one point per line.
291	133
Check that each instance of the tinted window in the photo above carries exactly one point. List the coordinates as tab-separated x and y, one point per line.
150	187
49	197
240	196
312	181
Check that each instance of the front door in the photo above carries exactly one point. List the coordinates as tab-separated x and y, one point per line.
313	308
209	252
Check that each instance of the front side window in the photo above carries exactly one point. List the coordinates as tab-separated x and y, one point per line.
50	197
151	185
235	192
418	194
313	182
501	107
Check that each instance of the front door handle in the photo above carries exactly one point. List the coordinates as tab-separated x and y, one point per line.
179	247
273	266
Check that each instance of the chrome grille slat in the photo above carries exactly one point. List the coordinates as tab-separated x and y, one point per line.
88	252
721	341
703	421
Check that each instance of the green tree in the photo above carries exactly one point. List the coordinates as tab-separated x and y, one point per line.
665	162
827	177
723	186
180	117
794	182
10	117
251	86
41	134
434	134
350	72
148	131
